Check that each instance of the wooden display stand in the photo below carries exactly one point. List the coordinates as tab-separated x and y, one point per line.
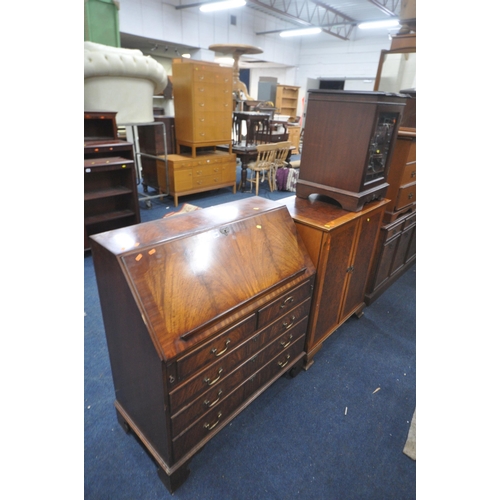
110	188
203	102
202	313
341	245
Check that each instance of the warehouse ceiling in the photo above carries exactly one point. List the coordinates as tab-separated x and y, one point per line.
338	18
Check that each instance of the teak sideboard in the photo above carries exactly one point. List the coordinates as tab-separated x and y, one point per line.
202	313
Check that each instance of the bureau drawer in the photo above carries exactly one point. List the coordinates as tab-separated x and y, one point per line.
225	409
210	351
218	393
406	195
409	173
283	304
219	370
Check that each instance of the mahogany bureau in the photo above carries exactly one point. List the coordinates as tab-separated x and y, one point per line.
202	313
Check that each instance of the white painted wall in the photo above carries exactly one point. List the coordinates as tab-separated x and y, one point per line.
320	56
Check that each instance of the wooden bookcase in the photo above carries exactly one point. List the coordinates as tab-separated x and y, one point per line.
287	98
110	188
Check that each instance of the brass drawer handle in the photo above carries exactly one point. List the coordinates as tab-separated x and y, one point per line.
212	426
217	354
210	404
410	196
287	301
282	364
286	344
414	173
289	325
212	382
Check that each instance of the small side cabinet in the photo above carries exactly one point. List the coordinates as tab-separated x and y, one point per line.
341	245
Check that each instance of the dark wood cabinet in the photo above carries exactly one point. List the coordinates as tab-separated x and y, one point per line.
202	312
396	251
341	245
110	187
349	137
152	143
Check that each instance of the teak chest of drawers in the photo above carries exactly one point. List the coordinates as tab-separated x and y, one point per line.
187	175
203	102
202	313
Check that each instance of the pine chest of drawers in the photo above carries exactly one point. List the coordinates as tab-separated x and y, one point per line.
202	313
187	175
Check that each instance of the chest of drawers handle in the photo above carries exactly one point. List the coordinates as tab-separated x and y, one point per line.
213	403
285	344
212	426
287	301
282	364
290	324
212	382
217	354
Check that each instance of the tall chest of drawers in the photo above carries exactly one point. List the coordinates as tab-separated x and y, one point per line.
203	101
202	313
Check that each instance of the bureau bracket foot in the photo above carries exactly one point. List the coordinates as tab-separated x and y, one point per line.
173	481
123	423
295	370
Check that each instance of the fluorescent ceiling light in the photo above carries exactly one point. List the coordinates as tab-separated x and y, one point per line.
389	23
300	32
228	4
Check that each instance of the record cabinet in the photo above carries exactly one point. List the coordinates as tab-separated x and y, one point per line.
349	138
202	313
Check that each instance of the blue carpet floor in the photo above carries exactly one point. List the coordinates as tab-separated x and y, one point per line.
323	435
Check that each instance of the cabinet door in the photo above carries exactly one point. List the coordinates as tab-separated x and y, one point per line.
358	272
334	262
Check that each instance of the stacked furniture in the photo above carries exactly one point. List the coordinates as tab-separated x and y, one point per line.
348	142
110	187
396	246
203	120
202	312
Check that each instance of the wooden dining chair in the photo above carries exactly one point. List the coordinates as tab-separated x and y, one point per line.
266	154
282	152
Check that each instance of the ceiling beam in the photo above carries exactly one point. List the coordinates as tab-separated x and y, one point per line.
389	7
314	13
